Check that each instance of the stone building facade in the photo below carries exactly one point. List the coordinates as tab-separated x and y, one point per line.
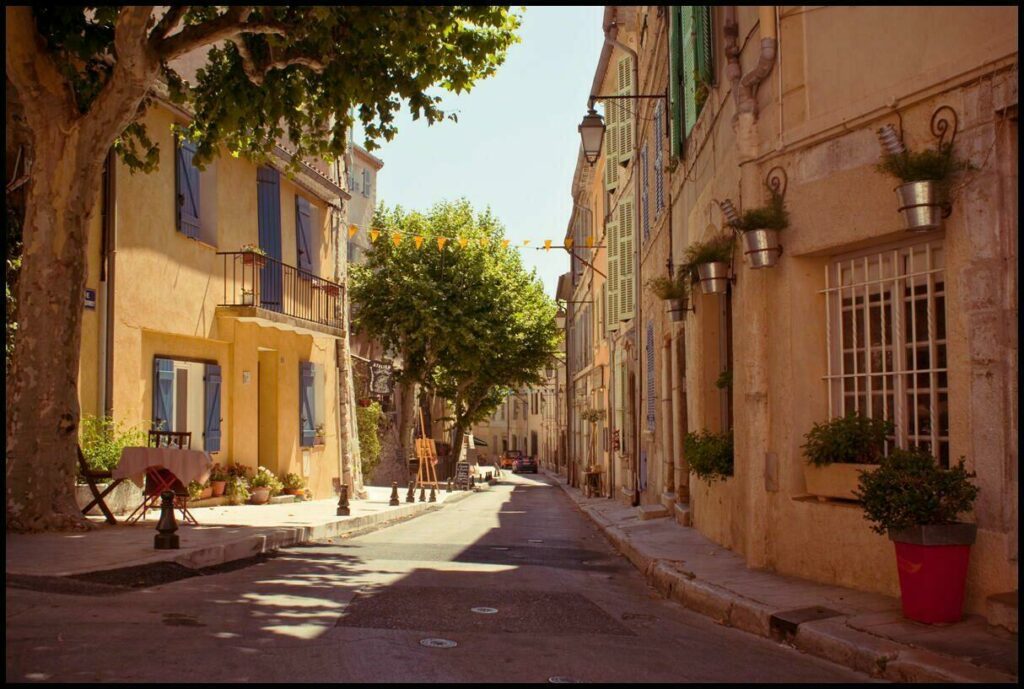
858	314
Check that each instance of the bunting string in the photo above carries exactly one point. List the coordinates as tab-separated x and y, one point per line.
398	236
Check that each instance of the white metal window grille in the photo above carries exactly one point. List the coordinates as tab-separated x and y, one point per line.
886	315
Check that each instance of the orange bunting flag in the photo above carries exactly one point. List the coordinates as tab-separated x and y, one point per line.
352	229
568	242
526	242
418	240
505	243
440	242
547	245
374	234
463	242
396	238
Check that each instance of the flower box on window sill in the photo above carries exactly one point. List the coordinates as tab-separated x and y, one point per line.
247	298
836	480
251	257
318	441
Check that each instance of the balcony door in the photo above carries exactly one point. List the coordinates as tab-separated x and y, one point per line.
268	201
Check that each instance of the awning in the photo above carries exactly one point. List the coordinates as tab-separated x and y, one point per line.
478	443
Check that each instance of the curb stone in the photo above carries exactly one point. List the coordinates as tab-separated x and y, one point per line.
831	638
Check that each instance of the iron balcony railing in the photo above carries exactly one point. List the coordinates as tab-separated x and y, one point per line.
251	279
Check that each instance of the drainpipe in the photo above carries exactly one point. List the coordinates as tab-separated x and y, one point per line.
637	301
106	357
744	88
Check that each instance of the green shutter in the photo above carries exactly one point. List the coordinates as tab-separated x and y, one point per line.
624	82
627	233
612	298
612	108
675	43
705	47
689	65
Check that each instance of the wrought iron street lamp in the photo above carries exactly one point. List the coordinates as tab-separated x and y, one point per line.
592	132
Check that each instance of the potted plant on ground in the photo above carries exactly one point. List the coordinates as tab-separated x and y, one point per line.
760	230
236	490
709	454
709	261
917	502
922	196
674	290
253	254
294	485
838	451
264	486
199	491
218	480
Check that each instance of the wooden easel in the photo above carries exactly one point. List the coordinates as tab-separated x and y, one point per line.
426	455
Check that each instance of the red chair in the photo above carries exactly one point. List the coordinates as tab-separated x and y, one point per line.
159	480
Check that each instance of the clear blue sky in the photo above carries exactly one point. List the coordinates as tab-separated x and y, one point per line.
514	147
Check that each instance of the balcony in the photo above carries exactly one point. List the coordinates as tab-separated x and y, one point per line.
263	290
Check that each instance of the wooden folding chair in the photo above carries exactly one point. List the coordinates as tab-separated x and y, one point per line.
92	476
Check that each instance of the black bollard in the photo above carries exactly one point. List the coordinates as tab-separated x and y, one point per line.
166	539
449	484
472	483
394	495
433	495
423	494
410	496
343	502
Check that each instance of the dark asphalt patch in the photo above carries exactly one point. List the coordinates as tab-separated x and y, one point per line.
117	581
443	609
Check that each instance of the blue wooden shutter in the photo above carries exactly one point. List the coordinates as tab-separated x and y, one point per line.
650	376
302	234
187	187
307	422
211	429
268	203
163	393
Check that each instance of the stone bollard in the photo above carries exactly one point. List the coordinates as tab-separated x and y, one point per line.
394	502
410	496
343	502
423	494
433	495
166	539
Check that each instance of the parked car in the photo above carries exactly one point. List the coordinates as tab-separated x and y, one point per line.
509	457
524	464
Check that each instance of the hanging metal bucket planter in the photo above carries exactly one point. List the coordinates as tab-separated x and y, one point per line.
677	309
714	277
920	206
762	247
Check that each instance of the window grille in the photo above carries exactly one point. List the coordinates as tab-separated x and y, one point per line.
886	314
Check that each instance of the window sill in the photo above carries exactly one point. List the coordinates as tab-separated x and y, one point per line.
200	242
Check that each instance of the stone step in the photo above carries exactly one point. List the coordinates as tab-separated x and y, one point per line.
1001	610
682	513
651	512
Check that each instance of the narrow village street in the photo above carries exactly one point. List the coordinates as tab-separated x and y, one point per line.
356	610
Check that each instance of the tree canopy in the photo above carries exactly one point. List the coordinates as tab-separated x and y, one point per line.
468	320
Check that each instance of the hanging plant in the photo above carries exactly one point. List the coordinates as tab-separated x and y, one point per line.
674	290
708	262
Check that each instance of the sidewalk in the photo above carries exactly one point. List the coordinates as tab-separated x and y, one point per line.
864	631
224	534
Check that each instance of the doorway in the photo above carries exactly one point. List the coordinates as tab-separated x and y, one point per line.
266	410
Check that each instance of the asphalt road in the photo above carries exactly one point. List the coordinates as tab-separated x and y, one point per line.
554	601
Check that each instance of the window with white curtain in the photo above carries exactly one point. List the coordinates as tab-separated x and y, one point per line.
886	313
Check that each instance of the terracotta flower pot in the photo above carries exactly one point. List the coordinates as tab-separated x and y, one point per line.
295	491
932	561
218	488
835	480
207	493
260	495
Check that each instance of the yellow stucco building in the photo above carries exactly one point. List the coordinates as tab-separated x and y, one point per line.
185	330
736	96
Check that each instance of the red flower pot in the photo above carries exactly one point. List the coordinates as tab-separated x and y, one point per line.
218	488
932	565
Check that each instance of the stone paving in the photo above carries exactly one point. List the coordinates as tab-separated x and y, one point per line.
865	631
224	534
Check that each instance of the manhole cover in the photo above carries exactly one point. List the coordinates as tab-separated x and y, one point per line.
560	679
484	611
438	643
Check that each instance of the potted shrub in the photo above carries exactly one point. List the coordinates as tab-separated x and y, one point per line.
264	486
917	502
294	485
199	491
924	176
318	437
675	291
253	254
710	260
760	229
247	297
709	454
838	451
218	480
236	490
